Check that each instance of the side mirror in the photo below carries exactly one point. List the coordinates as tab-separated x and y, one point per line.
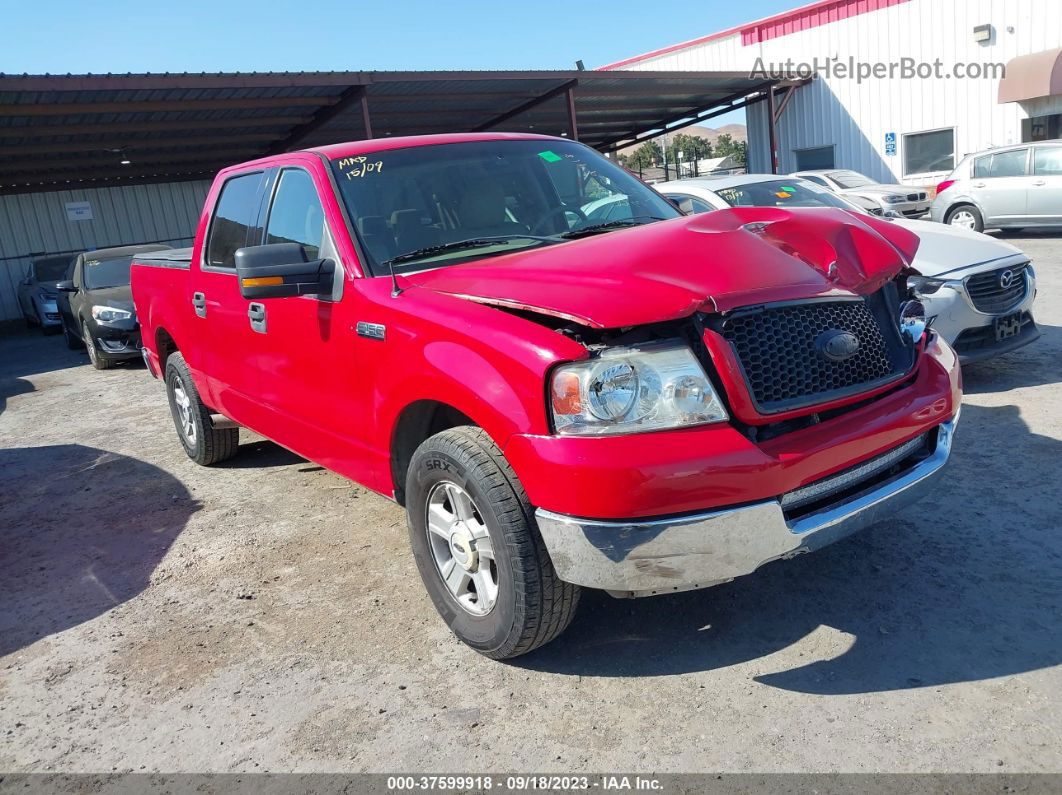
66	286
280	270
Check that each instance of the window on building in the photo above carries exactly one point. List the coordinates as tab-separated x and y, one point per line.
1041	128
296	215
928	152
234	216
818	157
1001	164
1048	161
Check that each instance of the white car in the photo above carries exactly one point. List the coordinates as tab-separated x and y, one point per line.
902	199
978	290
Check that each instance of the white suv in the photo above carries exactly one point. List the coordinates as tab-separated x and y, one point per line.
1010	187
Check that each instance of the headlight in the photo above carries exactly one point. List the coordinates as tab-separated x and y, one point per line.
633	389
109	314
894	198
923	285
913	322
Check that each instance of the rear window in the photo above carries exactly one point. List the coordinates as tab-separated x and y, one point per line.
1001	164
851	179
52	269
234	216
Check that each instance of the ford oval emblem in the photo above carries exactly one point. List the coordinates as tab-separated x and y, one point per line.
836	345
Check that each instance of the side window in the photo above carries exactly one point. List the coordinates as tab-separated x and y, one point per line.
1048	161
234	216
1009	164
296	215
982	167
690	205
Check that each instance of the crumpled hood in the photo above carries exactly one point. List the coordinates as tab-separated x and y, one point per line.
716	261
944	248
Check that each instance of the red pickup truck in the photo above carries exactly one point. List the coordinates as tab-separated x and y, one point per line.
564	380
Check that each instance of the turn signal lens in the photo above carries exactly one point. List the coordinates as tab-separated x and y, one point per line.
566	394
264	281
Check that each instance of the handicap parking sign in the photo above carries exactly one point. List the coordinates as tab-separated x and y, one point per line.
890	143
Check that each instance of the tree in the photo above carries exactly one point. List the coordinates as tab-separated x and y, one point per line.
645	156
726	145
693	148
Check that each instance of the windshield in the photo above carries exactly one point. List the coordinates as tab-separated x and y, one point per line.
52	269
107	273
851	179
781	193
411	205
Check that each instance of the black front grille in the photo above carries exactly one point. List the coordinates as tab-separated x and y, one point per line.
993	294
780	351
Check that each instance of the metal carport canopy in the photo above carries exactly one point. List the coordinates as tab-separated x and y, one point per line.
67	131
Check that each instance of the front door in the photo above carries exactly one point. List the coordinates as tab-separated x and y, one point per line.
1045	188
308	368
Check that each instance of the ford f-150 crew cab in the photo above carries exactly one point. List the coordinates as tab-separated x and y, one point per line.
644	404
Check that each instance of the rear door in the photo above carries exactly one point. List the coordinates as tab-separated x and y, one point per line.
309	368
1001	186
1045	189
227	348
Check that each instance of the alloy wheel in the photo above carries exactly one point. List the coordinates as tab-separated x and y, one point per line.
461	548
184	410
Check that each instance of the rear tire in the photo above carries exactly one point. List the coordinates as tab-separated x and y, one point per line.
95	359
504	599
204	444
965	216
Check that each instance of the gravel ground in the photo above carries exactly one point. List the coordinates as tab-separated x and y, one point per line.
267	615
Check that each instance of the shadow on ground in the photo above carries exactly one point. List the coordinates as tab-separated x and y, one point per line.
1037	364
81	531
963	588
262	454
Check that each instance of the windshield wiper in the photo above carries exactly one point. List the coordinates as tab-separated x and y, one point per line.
593	229
474	242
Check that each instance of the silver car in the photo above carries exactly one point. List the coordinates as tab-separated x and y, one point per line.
978	290
37	295
868	193
1010	187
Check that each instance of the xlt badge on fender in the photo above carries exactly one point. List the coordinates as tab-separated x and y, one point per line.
837	345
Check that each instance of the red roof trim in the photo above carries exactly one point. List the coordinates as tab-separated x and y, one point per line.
821	12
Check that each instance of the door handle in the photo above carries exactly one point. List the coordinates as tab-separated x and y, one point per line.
199	303
1039	183
979	184
257	314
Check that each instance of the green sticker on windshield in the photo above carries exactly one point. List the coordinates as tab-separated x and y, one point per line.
788	189
550	157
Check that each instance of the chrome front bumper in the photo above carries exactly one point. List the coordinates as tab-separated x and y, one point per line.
646	557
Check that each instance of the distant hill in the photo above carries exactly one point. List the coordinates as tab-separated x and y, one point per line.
736	131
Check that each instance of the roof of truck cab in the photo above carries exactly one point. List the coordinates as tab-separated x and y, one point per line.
354	148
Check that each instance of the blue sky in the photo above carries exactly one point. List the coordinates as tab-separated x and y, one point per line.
76	36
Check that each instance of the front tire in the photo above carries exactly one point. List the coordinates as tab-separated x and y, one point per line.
204	444
478	550
95	359
965	216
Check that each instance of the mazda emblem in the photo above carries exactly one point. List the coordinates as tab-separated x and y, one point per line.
836	345
1006	279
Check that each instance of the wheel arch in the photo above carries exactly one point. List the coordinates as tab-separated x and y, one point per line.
418	421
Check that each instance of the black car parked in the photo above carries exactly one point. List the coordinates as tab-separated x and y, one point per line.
98	310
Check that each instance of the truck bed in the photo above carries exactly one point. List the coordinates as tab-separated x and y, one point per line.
170	258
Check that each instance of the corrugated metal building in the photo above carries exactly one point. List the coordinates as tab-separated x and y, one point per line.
890	128
37	224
